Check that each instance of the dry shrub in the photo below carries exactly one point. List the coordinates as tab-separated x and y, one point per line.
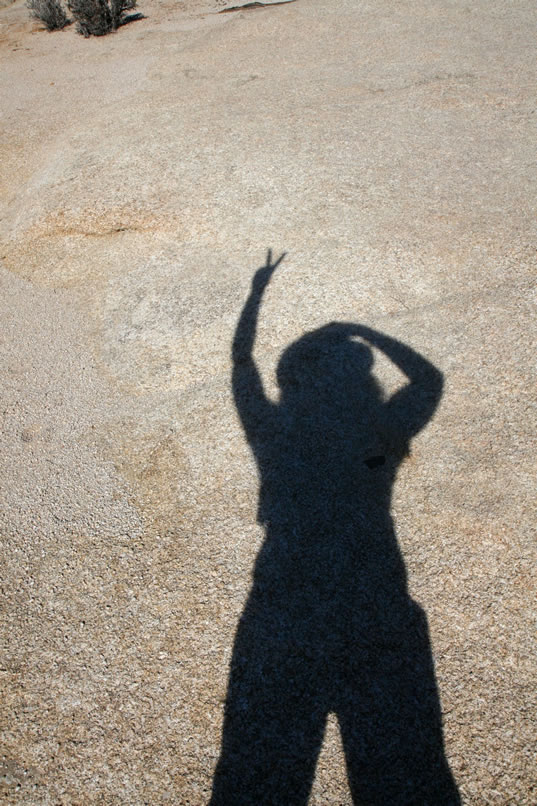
99	17
50	12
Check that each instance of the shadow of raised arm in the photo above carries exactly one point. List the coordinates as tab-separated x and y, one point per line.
252	403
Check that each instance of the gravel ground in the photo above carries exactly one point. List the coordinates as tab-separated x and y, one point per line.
157	530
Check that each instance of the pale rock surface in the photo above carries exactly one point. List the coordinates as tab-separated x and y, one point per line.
389	149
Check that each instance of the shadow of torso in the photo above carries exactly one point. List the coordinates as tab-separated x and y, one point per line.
330	559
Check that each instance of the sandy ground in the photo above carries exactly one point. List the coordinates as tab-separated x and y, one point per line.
389	150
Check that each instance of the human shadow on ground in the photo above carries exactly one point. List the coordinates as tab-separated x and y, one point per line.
329	626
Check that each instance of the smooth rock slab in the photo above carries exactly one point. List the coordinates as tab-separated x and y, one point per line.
390	152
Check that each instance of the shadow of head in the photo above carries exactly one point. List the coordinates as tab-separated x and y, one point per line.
327	367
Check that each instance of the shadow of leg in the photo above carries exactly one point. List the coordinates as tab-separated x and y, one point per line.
273	726
391	723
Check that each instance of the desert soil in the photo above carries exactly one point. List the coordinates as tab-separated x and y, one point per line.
389	150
